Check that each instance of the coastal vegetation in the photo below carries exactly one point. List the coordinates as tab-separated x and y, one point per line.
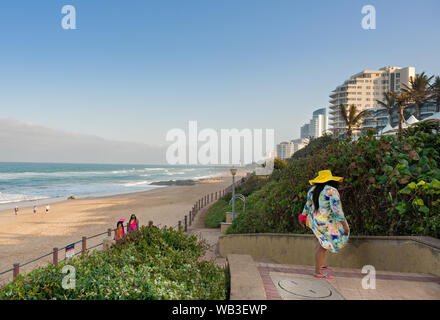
391	185
152	264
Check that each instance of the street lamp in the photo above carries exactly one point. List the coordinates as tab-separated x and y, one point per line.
233	172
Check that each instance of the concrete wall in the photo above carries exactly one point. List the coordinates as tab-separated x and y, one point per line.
398	254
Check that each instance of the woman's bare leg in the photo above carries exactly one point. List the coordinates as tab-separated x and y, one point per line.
319	258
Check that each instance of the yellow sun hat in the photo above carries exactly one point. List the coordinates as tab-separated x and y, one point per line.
324	176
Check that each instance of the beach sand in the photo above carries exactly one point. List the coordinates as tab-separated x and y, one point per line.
28	236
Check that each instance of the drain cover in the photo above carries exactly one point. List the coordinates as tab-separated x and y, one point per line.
304	288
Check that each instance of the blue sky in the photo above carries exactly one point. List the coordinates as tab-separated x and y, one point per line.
135	69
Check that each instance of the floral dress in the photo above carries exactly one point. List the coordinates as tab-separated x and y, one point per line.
326	223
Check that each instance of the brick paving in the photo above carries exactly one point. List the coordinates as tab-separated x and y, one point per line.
348	282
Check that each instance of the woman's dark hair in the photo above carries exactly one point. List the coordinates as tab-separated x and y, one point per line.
318	189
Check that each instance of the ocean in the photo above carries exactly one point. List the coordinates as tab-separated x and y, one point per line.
47	182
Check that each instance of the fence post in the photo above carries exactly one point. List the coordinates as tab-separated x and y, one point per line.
179	225
150	223
55	257
186	223
212	196
190	217
16	270
84	245
109	232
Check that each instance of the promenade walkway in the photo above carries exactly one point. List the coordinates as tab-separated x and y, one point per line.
295	282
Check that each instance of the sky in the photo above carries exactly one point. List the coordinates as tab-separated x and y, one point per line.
134	69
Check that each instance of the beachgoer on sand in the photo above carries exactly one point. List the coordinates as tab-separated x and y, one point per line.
47	208
16	210
35	209
324	215
120	232
133	223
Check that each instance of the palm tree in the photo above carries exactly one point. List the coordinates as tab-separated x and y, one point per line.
402	100
353	119
435	93
389	103
418	91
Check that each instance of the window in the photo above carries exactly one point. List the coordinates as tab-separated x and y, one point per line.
397	75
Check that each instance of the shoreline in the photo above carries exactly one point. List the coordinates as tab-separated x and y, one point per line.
27	235
25	204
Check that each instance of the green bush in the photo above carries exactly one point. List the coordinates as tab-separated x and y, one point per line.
150	264
391	185
217	212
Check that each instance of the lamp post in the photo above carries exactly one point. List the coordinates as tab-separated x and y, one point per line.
233	172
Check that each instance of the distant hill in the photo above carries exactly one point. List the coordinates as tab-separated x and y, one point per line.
26	142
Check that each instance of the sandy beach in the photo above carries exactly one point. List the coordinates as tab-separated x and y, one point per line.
28	235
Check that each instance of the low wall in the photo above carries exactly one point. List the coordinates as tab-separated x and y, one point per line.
398	254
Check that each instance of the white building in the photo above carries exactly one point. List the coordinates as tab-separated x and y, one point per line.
298	144
363	90
285	150
317	126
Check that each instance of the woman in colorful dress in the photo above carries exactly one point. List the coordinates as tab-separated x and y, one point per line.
323	214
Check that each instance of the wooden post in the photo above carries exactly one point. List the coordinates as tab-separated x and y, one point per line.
186	223
212	196
55	257
190	218
84	245
109	232
16	270
179	225
150	223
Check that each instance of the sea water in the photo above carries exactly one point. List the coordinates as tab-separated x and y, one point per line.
45	182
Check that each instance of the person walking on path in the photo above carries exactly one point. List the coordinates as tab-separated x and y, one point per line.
324	215
16	210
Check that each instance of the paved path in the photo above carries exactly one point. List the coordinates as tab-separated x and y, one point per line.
347	283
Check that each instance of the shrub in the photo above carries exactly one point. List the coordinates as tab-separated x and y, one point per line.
217	212
391	186
150	264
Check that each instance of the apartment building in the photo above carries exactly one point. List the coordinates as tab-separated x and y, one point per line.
317	126
363	90
285	150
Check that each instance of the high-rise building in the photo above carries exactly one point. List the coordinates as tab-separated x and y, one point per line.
363	90
285	150
305	131
317	126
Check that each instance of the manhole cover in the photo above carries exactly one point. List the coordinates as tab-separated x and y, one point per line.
305	288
